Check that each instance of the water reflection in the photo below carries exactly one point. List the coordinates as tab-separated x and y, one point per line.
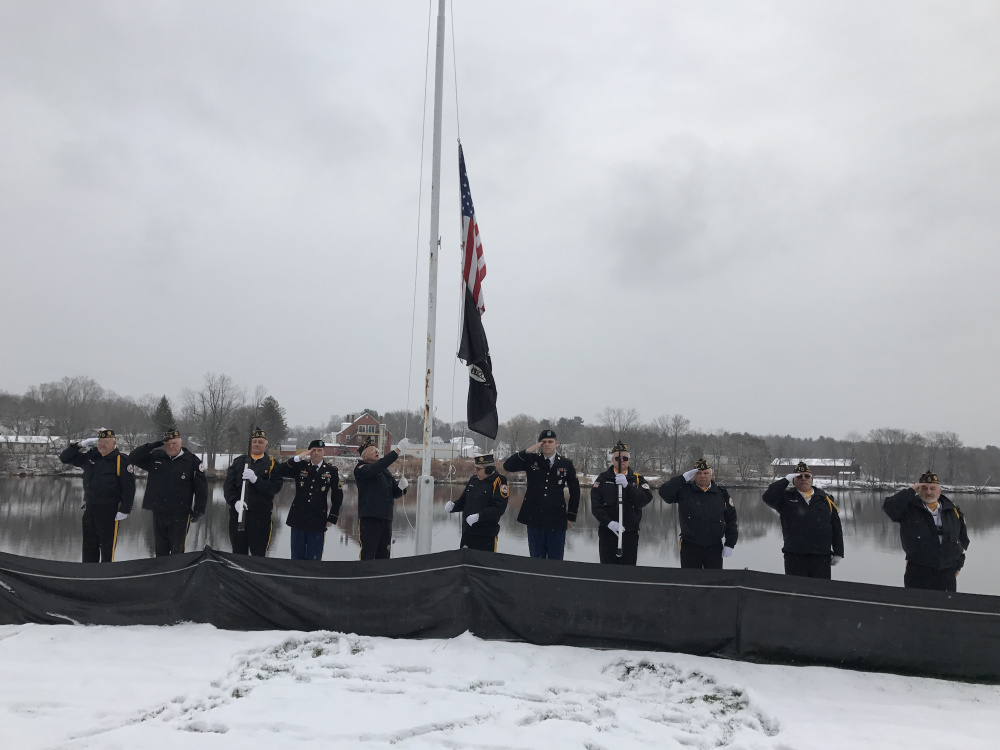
40	517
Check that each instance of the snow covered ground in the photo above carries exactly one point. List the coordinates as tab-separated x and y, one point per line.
193	686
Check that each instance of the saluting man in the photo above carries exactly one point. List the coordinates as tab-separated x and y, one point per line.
709	528
377	493
544	510
482	504
257	471
636	495
810	524
176	490
318	497
933	533
108	492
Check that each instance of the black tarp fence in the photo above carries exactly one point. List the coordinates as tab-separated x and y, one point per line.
735	614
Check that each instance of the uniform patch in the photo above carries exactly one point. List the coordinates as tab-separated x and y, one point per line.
595	485
645	486
732	503
503	490
130	469
201	468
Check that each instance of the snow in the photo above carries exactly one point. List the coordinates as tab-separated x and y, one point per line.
193	686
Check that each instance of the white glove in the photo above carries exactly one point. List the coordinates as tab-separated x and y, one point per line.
835	559
621	480
121	516
790	477
249	475
240	506
615	527
403	483
88	443
449	506
689	475
472	519
727	551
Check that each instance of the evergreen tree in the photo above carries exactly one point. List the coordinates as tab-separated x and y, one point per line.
272	419
162	417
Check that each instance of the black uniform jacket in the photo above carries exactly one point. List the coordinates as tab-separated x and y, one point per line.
919	534
488	498
172	482
706	515
544	505
107	480
313	485
604	499
376	488
260	494
811	528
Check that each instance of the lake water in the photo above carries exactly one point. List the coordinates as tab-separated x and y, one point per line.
40	517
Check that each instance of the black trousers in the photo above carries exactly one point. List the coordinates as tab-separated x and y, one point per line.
807	566
256	535
923	577
478	541
607	547
698	556
376	538
100	532
169	534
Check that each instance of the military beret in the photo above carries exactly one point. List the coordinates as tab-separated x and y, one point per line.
170	434
620	447
546	435
701	465
929	477
106	433
258	433
802	468
317	444
485	460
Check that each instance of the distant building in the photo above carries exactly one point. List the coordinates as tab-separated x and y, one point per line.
355	431
840	469
443	451
29	444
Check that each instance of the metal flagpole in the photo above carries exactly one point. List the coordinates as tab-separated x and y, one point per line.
425	484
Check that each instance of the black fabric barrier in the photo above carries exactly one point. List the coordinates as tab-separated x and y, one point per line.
734	614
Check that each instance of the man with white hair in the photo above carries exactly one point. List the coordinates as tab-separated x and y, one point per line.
255	470
619	481
377	493
933	534
709	528
108	492
810	524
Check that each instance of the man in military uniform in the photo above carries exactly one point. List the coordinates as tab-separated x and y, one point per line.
709	529
810	524
176	490
482	504
377	492
604	494
256	472
933	533
108	492
311	513
544	510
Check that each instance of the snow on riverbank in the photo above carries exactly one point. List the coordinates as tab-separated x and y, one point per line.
193	686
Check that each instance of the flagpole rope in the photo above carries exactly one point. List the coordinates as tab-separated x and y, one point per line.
416	253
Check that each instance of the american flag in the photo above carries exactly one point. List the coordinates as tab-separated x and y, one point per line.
475	265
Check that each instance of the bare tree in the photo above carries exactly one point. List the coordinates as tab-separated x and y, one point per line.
212	410
519	431
71	404
751	455
672	432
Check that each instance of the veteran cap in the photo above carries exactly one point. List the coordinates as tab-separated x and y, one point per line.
170	434
317	444
106	433
929	477
485	460
620	447
701	465
365	445
258	433
546	435
802	468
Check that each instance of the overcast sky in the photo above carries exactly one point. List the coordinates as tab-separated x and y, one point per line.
766	216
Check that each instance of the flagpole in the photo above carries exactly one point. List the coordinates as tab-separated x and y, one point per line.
425	485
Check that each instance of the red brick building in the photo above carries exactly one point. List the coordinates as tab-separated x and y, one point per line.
358	429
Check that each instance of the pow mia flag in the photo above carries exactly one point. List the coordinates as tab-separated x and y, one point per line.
474	349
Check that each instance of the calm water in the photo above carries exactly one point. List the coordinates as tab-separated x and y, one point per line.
40	517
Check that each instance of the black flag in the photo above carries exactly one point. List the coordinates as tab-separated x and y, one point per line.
474	349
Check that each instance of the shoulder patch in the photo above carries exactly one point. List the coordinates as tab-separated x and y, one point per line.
732	503
596	484
130	469
645	485
503	489
201	468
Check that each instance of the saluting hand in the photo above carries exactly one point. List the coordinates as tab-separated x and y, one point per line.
301	456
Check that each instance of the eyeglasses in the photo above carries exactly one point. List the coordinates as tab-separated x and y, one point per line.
621	458
805	476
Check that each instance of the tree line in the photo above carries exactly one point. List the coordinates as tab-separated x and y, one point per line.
220	414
